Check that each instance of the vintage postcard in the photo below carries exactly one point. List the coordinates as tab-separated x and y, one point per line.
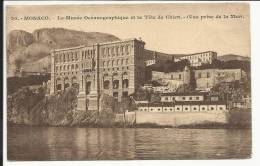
132	81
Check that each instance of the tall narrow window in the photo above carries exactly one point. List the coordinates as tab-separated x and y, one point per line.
208	74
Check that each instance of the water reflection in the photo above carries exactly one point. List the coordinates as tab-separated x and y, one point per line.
53	143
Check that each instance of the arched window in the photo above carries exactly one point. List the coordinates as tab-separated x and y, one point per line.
112	63
71	56
106	84
72	67
115	84
125	83
68	67
126	61
64	67
76	66
68	57
58	87
122	61
107	63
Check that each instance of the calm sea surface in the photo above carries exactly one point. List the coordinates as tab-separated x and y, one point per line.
63	143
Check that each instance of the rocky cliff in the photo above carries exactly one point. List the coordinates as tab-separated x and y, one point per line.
30	50
32	107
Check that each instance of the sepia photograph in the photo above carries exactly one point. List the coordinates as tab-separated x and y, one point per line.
128	81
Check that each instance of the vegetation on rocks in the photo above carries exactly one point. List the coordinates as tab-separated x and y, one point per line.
32	107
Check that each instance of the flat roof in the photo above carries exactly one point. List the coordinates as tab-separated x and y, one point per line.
180	56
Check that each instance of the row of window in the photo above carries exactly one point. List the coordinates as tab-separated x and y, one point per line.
66	73
197	56
124	94
66	57
112	63
208	75
226	73
166	109
87	53
115	84
179	76
66	79
87	57
118	62
115	50
83	66
67	67
116	68
191	98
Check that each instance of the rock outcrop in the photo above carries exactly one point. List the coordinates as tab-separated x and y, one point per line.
32	107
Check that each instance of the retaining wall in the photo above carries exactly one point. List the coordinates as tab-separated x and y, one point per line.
180	118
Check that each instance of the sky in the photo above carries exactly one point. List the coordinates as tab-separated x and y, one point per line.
173	36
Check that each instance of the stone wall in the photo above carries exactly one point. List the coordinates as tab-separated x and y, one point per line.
178	119
208	78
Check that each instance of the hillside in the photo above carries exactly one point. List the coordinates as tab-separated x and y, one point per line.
30	50
230	57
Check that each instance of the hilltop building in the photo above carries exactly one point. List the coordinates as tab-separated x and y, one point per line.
197	59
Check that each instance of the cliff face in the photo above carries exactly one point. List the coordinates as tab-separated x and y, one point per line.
29	108
18	38
28	50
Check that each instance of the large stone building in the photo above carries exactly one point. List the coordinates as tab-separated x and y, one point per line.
208	78
173	80
204	79
197	59
113	68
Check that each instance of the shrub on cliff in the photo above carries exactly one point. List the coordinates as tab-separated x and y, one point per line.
28	108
